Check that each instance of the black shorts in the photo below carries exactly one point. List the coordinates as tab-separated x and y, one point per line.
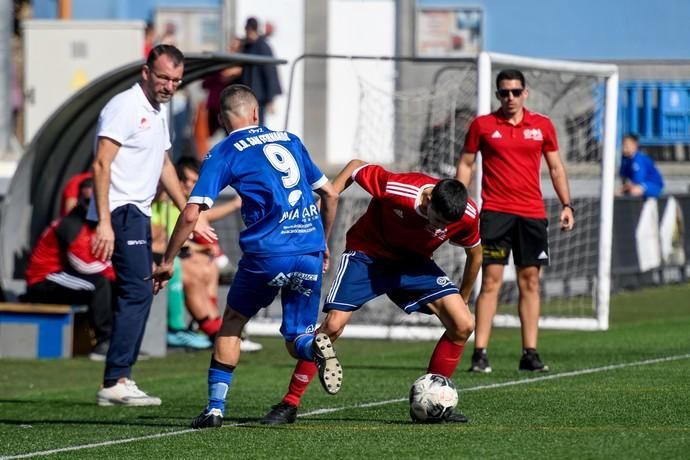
502	232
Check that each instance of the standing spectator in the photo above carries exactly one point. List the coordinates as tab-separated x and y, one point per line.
638	172
214	84
62	269
262	79
512	141
132	140
284	243
389	251
149	38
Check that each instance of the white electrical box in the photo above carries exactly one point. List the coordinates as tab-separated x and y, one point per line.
60	57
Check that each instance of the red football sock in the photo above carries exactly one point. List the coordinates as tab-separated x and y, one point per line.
303	374
445	357
210	326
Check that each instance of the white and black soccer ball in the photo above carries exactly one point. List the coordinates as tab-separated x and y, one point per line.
432	397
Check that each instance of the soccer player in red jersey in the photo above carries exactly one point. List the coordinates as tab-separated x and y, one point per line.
388	251
512	141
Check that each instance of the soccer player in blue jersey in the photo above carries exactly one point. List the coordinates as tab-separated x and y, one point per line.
284	243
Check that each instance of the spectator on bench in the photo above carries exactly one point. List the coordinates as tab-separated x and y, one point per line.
63	270
198	266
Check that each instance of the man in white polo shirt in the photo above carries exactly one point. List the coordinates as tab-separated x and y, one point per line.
132	142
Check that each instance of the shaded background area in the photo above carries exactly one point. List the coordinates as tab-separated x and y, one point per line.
64	146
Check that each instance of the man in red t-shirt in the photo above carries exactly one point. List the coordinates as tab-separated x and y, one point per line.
388	251
512	141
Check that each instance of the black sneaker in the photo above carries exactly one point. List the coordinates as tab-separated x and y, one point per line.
452	416
455	417
210	419
330	372
480	363
100	351
530	362
281	414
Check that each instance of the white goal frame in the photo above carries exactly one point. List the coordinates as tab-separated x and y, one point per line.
485	63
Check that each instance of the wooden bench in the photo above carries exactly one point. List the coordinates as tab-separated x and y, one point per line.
42	330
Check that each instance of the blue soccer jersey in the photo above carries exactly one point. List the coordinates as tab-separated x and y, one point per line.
275	176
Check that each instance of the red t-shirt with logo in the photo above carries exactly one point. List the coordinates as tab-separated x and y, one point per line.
511	161
393	227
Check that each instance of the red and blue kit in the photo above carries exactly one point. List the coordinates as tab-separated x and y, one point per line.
511	161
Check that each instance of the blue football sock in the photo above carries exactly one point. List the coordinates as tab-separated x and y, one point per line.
303	347
219	381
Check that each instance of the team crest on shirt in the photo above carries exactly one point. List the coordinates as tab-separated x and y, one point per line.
533	134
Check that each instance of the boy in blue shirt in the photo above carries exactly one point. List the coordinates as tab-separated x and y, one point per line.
639	174
283	244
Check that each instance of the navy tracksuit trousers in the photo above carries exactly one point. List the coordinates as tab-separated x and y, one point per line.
132	261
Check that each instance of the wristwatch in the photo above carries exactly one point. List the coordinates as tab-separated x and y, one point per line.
568	205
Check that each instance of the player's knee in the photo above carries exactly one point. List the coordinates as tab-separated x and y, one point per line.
529	282
490	285
333	326
290	346
462	330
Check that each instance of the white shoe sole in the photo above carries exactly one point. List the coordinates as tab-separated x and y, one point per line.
104	402
330	371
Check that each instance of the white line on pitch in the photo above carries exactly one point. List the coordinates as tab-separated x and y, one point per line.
524	381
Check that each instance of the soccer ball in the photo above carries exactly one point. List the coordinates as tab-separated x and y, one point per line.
432	397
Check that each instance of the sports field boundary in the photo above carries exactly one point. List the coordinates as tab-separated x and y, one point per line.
524	381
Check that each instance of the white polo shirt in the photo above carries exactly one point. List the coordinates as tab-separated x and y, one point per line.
142	132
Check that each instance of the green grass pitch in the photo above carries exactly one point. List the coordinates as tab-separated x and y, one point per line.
623	393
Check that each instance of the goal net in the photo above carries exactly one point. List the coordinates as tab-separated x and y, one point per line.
420	125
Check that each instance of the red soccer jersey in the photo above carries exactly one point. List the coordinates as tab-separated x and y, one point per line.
393	227
54	253
511	161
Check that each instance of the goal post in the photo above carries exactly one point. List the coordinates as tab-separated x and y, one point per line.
419	119
488	66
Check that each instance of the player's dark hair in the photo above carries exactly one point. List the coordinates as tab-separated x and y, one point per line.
632	136
235	95
510	74
172	52
252	24
183	163
88	182
449	199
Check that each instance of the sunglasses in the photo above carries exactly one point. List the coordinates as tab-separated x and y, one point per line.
516	92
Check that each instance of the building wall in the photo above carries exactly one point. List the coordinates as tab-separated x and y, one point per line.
584	29
115	9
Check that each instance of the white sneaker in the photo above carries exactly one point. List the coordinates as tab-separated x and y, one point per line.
248	346
125	394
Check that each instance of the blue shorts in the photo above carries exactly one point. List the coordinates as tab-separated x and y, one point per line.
297	277
410	285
